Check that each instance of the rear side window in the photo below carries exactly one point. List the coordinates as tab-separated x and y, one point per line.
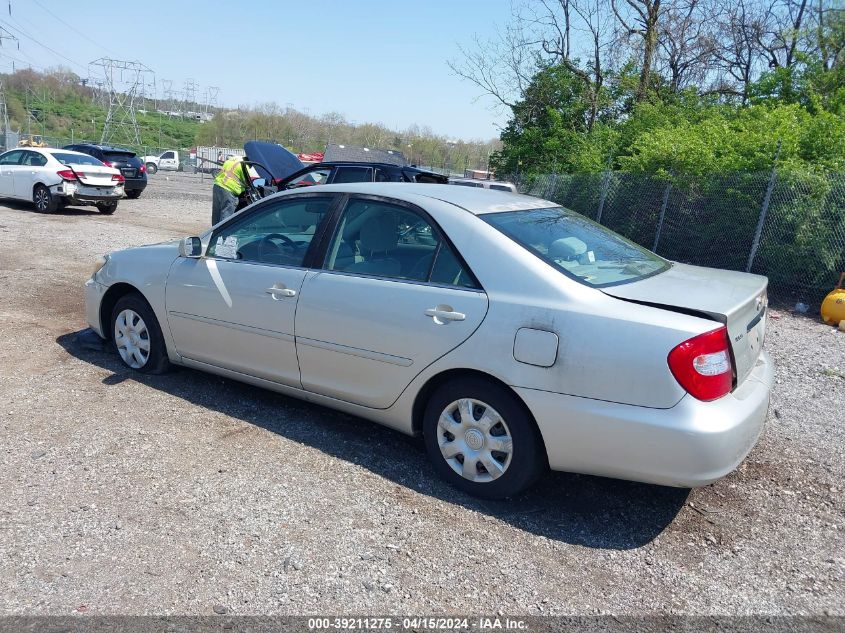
34	159
390	241
353	174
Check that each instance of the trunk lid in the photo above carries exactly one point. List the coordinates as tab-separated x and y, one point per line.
738	300
96	175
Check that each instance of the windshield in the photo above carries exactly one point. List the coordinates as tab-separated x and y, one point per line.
75	159
578	247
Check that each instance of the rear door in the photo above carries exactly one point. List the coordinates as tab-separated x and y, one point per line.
392	297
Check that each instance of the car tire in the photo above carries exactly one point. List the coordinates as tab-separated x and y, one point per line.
502	433
134	194
107	208
44	200
152	168
136	335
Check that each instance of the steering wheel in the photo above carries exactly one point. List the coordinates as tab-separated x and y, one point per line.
268	239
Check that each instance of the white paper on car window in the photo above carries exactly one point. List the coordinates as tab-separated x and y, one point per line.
227	248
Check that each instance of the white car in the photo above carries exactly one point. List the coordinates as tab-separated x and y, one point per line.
53	178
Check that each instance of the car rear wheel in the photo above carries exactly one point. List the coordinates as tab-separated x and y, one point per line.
134	194
152	168
44	200
107	208
137	337
482	440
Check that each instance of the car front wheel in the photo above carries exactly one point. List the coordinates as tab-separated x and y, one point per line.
482	440
136	335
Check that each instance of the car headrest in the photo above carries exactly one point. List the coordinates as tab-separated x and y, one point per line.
567	248
379	234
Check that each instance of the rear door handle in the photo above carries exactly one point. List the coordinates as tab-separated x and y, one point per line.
277	291
441	314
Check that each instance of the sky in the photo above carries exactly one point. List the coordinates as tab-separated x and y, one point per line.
373	61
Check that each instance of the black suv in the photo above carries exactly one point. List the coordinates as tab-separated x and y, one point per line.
132	167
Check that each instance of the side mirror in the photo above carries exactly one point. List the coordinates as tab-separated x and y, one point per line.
190	247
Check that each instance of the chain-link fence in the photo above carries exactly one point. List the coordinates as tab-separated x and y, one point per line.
789	226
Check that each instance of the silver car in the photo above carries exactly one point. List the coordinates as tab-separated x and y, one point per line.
512	334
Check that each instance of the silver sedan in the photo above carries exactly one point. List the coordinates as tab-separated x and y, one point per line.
512	334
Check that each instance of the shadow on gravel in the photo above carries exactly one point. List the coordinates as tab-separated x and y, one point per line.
20	205
578	509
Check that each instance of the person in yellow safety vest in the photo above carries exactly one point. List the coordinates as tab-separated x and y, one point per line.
229	184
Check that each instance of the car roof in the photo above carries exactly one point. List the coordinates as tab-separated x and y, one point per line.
476	200
105	148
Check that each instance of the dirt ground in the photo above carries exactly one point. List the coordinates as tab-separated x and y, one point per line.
187	493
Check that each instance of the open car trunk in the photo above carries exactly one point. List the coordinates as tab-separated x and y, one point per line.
735	299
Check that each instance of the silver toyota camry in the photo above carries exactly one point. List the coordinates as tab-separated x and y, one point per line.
512	334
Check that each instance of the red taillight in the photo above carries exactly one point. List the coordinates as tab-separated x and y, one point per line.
118	178
142	168
108	163
702	365
69	174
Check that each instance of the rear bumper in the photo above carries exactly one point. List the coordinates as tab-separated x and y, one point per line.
692	444
135	184
73	192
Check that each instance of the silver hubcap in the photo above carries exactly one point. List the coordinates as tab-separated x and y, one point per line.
41	199
132	339
474	440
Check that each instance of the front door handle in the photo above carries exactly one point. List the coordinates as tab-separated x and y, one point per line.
442	314
279	290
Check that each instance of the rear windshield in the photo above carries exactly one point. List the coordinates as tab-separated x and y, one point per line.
124	157
578	247
75	159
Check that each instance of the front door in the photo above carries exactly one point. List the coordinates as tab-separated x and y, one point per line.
9	164
392	297
234	308
168	161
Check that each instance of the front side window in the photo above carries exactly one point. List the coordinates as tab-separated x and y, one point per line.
168	155
277	233
314	177
11	158
387	240
578	247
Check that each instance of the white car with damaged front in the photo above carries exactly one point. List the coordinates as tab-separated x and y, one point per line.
512	334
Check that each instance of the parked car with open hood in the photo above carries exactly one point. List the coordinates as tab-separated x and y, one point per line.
511	333
52	178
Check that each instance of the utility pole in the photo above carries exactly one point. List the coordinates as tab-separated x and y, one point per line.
4	112
190	95
124	82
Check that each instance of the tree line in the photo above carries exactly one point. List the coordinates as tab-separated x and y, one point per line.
666	86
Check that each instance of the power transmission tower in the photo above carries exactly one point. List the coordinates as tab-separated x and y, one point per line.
190	95
123	80
4	112
211	94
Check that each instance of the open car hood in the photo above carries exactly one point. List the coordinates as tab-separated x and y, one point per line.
276	158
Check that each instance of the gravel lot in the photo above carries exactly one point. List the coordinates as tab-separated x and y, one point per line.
186	493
